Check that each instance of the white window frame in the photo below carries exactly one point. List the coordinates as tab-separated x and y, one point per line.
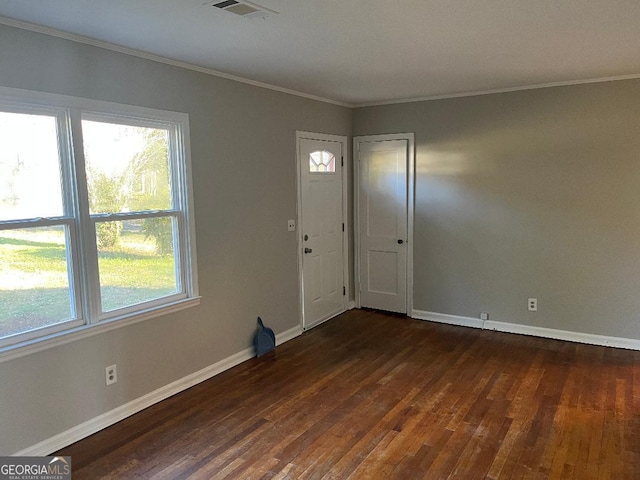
82	253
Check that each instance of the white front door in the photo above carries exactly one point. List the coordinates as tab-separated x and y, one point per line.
321	224
383	221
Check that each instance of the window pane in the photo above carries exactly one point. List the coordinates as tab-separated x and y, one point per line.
127	167
136	261
322	162
30	185
34	279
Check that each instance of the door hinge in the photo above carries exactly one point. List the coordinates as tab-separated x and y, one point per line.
344	290
342	161
343	227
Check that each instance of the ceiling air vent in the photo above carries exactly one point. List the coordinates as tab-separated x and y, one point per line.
243	8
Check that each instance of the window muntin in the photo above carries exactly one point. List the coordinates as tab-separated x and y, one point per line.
156	214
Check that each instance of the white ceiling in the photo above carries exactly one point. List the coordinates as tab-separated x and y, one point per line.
367	51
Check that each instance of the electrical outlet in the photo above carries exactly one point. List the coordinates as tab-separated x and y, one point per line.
111	375
291	225
533	304
484	316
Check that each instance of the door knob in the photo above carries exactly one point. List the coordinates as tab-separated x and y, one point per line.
400	241
307	250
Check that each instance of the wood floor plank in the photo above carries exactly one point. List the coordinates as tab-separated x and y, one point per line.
370	395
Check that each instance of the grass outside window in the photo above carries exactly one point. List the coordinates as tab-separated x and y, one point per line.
34	286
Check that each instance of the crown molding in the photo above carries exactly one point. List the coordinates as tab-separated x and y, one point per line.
53	32
497	90
208	71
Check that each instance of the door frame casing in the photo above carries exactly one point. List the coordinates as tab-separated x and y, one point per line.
345	218
411	162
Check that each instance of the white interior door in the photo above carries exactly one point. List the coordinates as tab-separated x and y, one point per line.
321	223
383	222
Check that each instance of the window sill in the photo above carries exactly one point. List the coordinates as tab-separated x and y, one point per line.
28	347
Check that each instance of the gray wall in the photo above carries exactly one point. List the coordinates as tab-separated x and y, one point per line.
243	154
527	194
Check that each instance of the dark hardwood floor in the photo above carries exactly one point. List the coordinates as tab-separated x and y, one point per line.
371	395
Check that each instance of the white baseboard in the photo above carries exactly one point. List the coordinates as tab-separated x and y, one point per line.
351	305
288	335
111	417
577	337
448	319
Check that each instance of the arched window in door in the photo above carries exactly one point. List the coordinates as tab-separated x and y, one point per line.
322	161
